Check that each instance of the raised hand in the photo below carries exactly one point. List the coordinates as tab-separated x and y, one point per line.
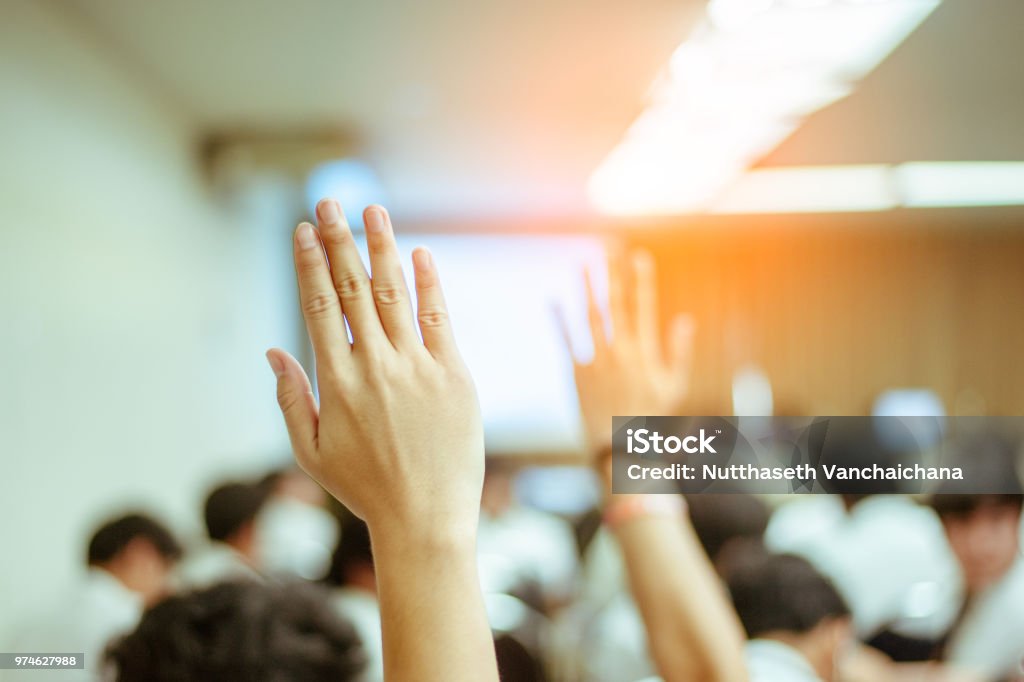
397	438
397	435
692	631
632	372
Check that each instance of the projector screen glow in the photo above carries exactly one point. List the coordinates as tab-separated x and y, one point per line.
501	292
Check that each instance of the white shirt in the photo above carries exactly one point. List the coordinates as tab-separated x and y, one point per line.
85	620
990	638
611	636
526	544
888	557
216	562
362	610
772	661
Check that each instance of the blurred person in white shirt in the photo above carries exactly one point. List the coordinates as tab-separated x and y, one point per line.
129	562
522	551
984	534
884	552
296	532
354	593
230	512
798	624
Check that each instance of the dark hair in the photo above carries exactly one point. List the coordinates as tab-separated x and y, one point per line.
230	506
782	592
964	505
353	549
113	536
720	519
240	631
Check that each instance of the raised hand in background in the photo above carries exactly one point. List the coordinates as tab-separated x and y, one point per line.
633	372
693	632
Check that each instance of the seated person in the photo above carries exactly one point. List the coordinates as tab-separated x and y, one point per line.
239	631
524	552
296	532
230	512
883	551
354	596
726	524
798	624
984	534
129	560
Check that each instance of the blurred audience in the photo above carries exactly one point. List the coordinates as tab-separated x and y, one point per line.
984	533
522	551
230	512
129	561
354	594
885	553
296	532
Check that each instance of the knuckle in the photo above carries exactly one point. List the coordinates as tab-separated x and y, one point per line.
287	398
388	294
318	305
335	235
432	317
379	247
308	262
350	285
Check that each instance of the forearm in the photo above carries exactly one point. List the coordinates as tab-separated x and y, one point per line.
432	611
692	630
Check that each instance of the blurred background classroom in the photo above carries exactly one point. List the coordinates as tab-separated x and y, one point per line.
833	189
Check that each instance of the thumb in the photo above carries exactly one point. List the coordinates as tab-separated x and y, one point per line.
295	396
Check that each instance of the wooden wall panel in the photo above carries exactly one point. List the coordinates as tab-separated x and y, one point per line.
836	312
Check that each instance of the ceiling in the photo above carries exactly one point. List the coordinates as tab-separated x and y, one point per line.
953	91
467	107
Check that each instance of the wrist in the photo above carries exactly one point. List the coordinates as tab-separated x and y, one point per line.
420	539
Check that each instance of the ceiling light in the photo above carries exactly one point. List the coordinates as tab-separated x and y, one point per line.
743	81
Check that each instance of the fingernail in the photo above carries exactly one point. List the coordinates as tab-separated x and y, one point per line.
374	219
275	364
329	212
422	258
306	236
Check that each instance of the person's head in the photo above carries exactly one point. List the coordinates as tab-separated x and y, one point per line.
240	631
138	551
983	532
352	561
296	532
294	483
726	521
784	598
230	514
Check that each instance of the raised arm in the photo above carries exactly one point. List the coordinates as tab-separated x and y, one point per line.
693	632
397	438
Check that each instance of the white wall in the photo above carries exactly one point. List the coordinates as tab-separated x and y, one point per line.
134	309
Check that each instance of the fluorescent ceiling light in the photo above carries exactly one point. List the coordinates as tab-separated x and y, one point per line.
742	82
939	184
829	189
810	190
